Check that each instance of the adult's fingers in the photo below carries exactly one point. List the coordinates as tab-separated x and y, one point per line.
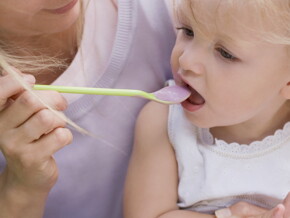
26	105
240	209
39	124
53	141
286	203
245	210
276	212
37	153
9	86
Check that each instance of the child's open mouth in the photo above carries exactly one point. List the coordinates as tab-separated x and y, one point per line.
195	100
195	97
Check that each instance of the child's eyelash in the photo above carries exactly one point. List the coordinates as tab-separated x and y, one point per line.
226	54
186	31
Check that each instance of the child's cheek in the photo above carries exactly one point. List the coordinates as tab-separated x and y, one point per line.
175	67
175	61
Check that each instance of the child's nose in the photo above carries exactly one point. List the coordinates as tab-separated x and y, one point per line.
192	60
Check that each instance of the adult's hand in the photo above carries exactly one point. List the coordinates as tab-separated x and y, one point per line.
247	210
29	135
286	203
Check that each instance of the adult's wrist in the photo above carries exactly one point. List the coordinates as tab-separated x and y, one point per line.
20	201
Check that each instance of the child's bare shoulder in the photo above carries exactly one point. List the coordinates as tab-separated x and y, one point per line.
152	119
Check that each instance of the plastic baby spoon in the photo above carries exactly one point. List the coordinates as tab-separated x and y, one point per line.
167	95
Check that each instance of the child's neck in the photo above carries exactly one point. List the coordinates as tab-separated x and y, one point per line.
254	130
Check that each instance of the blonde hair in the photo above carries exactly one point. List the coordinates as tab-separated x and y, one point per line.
34	64
270	19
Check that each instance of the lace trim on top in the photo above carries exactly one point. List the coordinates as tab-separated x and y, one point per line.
269	143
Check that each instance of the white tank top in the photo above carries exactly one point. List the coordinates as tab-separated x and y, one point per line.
214	174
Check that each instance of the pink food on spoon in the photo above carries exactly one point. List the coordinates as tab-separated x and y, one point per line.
173	94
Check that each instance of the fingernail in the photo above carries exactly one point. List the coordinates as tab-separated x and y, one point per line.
29	78
223	213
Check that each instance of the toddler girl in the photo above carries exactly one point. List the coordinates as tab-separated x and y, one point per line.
227	144
93	43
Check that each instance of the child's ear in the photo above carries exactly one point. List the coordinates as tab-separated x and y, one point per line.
285	91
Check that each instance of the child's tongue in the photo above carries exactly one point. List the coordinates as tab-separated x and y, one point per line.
196	98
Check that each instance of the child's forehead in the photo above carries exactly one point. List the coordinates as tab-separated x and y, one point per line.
235	19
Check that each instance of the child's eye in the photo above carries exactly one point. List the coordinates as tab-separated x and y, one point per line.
188	32
226	54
